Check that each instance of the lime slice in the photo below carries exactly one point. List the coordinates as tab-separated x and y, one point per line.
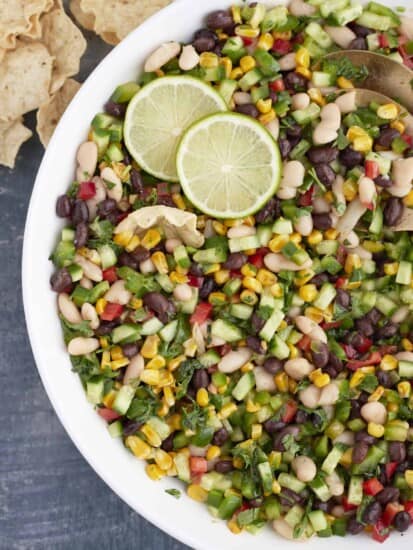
159	114
228	165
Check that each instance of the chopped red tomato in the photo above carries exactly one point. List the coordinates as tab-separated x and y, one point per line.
87	190
111	311
390	511
122	216
277	85
372	486
348	506
373	359
236	275
364	345
341	282
408	506
380	532
306	198
390	469
195	281
329	326
109	274
198	465
383	43
372	169
408	139
108	414
290	409
305	343
201	313
257	259
281	46
247	41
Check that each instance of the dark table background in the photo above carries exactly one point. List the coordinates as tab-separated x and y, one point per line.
50	498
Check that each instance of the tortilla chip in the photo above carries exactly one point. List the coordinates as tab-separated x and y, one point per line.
65	43
176	223
50	112
86	20
119	18
12	135
18	17
25	75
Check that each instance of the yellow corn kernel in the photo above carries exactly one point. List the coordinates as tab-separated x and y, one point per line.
159	73
344	83
151	435
398	125
248	270
250	251
252	284
264	105
266	278
296	238
277	243
100	306
109	398
292	386
236	14
355	132
169	397
276	487
119	363
123	239
407	345
281	381
163	410
408	476
208	60
277	290
249	220
116	353
221	276
265	41
150	346
306	73
256	431
302	57
246	31
367	370
158	362
104	342
150	377
392	407
284	35
174	363
249	366
377	394
308	293
373	246
236	73
404	389
227	64
319	379
329	197
151	238
248	297
213	452
247	63
217	298
154	472
178	278
133	243
174	422
388	362
163	459
350	190
136	303
212	268
105	361
159	261
267	117
233	526
347	458
363	144
138	447
314	314
375	430
316	96
202	397
331	234
252	407
408	199
315	237
388	111
178	201
352	262
227	410
391	268
219	227
303	277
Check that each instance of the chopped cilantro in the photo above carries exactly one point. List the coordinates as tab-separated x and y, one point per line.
174	493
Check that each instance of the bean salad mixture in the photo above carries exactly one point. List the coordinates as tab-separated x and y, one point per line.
266	361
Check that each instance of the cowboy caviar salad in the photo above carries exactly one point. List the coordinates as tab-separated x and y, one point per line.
264	358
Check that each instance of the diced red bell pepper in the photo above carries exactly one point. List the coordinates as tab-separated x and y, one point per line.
87	190
408	139
122	216
306	199
290	409
236	275
390	511
247	41
390	469
198	465
162	189
109	274
331	325
383	41
372	486
348	506
108	414
364	345
380	531
281	46
341	282
201	314
372	169
257	259
408	506
373	359
350	352
305	343
195	281
112	311
277	85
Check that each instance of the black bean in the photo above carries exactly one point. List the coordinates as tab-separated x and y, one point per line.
105	328
80	212
387	331
335	362
130	350
360	451
220	19
115	109
402	467
136	180
350	158
397	451
355	409
360	30
235	261
324	154
81	234
387	135
294	131
343	298
374	316
165	200
224	466
130	427
106	207
196	270
358	44
220	437
402	521
158	303
331	371
274	426
200	379
278	440
319	354
269	211
288	498
363	436
372	513
272	365
354	527
295	82
125	259
323	506
301	416
322	221
204	40
126	156
257	322
285	147
248	109
319	279
140	254
63	206
168	443
383	181
60	280
256	502
365	327
294	141
384	378
393	211
388	494
207	287
254	343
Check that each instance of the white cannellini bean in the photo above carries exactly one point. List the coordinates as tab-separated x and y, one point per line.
183	292
318	335
240	231
162	55
310	396
329	395
134	369
399	191
338	511
338	190
147	267
276	262
293	174
300	101
374	412
404	356
100	195
301	8
346	102
351	216
402	173
331	116
362	252
294	312
83	346
351	240
286	193
86	283
234	360
287	62
242	98
90	270
282	528
68	309
118	294
89	314
342	36
298	368
305	324
87	157
324	134
320	205
115	192
274	127
406	27
367	191
304	225
346	437
329	410
400	315
171	244
189	58
197	451
198	336
304	468
264	381
335	484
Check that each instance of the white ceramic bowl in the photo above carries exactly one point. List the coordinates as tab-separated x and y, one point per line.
184	519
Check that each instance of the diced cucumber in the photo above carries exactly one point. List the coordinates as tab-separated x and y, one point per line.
98	291
210	358
80	295
318	520
332	459
307	115
168	332
345	16
254	14
331	6
115	429
267	300
320	488
159	426
114	152
279	348
214	74
294	515
125	333
260	93
181	257
232	286
326	296
63	254
375	21
68	234
271	325
404	273
405	369
266	62
125	92
395	56
321	79
234	48
241	311
376	225
181	462
165	282
94	391
283	227
250	79
116	131
243	243
227	88
151	326
355	490
190	305
107	256
385	305
313	48
102	121
318	34
211	256
369	464
214	481
292	252
226	330
229	505
327	248
264	234
273	18
291	482
373	41
244	385
76	272
123	399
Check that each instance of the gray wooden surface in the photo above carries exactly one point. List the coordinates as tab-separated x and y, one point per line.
50	498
